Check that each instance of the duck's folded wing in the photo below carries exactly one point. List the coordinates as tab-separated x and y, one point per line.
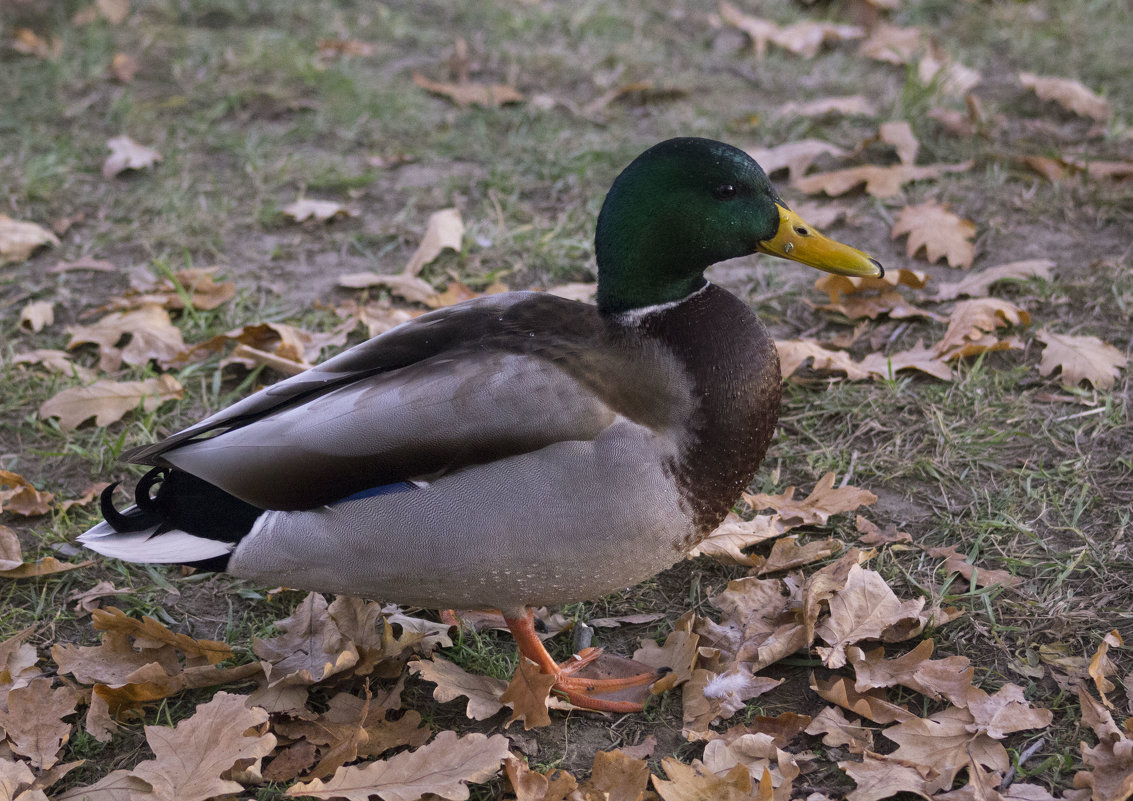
363	420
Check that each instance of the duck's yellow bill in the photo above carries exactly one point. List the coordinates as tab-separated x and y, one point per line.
799	241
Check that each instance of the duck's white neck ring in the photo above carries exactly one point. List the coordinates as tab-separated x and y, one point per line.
635	316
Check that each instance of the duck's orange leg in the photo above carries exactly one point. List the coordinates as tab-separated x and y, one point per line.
579	690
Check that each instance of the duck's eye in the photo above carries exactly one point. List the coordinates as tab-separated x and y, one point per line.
724	192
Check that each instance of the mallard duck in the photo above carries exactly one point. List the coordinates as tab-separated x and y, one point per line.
514	450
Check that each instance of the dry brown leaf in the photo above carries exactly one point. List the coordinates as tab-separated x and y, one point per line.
697	783
18	240
529	785
806	38
872	534
1003	712
887	302
1065	167
192	759
946	743
444	229
37	315
893	44
471	94
977	284
793	353
86	496
618	776
850	105
835	286
727	541
33	720
949	678
1110	762
795	157
958	563
787	554
882	182
83	263
822	502
759	755
46	566
126	154
86	601
940	232
311	648
11	555
872	705
57	361
678	654
123	67
483	692
28	42
113	11
837	730
306	208
19	496
866	609
880	777
900	134
974	322
118	785
107	401
329	48
195	286
1068	93
456	292
152	336
151	633
409	287
527	695
1101	666
443	767
946	75
1080	358
15	776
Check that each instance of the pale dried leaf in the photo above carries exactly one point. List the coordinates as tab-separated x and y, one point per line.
15	775
1101	666
126	154
940	232
86	496
114	11
880	777
882	182
1004	712
872	534
788	554
1068	93
46	566
946	743
123	67
795	157
793	353
18	240
11	555
192	758
947	75
949	678
619	776
806	38
443	767
107	401
900	134
527	695
1080	358
37	315
307	208
678	654
973	320
149	633
413	289
850	105
118	785
19	496
697	783
872	705
837	730
761	31
483	692
893	44
151	333
86	601
822	502
727	541
57	361
865	609
1110	762
958	563
445	229
311	648
471	94
33	720
977	284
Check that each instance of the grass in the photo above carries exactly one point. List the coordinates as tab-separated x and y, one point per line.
1017	472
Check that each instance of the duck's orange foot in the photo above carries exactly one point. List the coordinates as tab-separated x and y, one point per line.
604	693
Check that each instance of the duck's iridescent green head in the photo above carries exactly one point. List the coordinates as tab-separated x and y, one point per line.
688	203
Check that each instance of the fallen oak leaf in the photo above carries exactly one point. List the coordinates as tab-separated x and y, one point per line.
617	776
872	534
483	692
822	502
310	649
977	284
893	44
930	225
787	554
836	286
86	496
527	695
11	555
86	601
879	777
33	720
945	743
126	154
950	677
881	182
18	239
850	105
37	315
872	705
1110	762
1068	93
958	563
57	361
727	541
899	134
83	263
697	783
19	496
471	94
306	208
974	322
1080	358
837	730
148	631
107	401
793	353
152	336
1101	666
794	157
443	767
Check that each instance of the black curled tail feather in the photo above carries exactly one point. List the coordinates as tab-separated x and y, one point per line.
168	499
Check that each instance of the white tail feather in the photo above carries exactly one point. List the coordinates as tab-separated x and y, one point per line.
142	546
